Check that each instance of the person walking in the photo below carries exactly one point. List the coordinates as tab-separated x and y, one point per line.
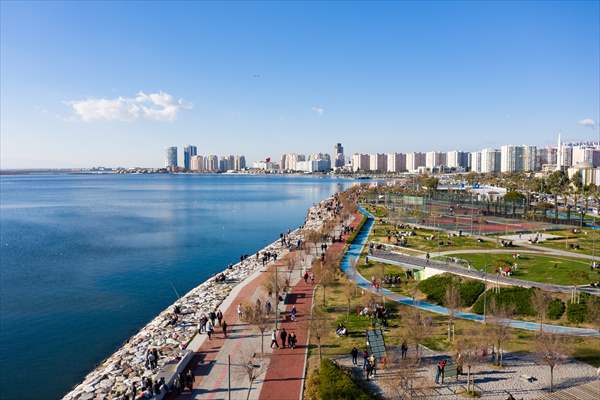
292	340
354	353
213	317
268	306
239	311
305	277
365	359
283	336
209	329
404	349
224	326
274	339
219	316
440	371
373	364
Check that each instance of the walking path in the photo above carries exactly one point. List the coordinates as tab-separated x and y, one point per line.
353	254
401	259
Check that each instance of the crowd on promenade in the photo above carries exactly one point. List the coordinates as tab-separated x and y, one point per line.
133	370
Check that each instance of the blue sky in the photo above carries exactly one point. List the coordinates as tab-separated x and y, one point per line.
265	78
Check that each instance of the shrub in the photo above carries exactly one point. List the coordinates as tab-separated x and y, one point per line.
435	287
576	312
515	297
335	384
356	230
556	308
470	290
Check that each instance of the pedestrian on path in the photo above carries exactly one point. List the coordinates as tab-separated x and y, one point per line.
404	349
306	277
274	339
292	340
239	311
283	336
293	313
224	326
440	371
354	353
365	359
268	306
213	317
219	316
209	329
189	379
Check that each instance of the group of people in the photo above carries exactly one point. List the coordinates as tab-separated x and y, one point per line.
285	337
369	362
308	276
152	357
207	323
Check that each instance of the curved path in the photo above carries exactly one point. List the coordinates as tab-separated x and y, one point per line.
354	251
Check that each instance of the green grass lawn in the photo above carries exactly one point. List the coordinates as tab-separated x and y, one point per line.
381	231
537	268
586	241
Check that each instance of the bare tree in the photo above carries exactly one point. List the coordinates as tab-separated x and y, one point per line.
318	327
417	328
291	261
540	300
349	290
402	378
256	316
274	284
550	350
499	327
466	347
250	367
452	303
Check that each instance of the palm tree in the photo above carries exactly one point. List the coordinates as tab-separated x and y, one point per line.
557	183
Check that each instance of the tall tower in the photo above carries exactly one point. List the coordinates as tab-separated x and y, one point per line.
338	155
188	152
559	155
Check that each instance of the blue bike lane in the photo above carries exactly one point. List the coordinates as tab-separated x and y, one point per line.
353	254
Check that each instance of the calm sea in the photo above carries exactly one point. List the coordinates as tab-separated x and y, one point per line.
86	260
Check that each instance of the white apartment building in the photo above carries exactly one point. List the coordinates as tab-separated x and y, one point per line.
489	160
414	161
457	159
435	159
378	162
211	163
475	161
360	162
586	154
396	162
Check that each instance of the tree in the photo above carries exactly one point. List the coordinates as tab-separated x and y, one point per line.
539	301
274	284
498	328
452	303
402	377
318	327
417	328
467	354
557	182
250	368
291	260
254	315
550	349
349	290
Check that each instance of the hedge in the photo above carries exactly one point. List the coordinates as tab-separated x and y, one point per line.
516	297
576	312
556	309
435	288
356	230
336	384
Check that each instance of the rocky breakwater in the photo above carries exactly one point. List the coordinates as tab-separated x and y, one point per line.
174	328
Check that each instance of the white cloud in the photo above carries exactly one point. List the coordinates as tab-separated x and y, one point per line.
159	106
318	110
586	122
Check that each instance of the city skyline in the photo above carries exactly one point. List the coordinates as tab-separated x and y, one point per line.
227	84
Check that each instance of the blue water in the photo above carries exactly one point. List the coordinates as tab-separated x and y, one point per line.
87	260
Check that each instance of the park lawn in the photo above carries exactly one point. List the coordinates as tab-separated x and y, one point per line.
419	242
377	270
588	241
538	268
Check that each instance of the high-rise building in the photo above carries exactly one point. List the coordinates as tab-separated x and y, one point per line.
414	161
171	159
529	158
435	159
197	163
457	159
224	164
212	163
239	163
518	158
338	155
475	161
378	162
490	160
546	156
188	152
360	162
396	162
586	154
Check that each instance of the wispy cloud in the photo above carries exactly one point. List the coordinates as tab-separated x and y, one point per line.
318	110
159	106
587	122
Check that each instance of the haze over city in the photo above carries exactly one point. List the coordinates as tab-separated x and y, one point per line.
263	79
